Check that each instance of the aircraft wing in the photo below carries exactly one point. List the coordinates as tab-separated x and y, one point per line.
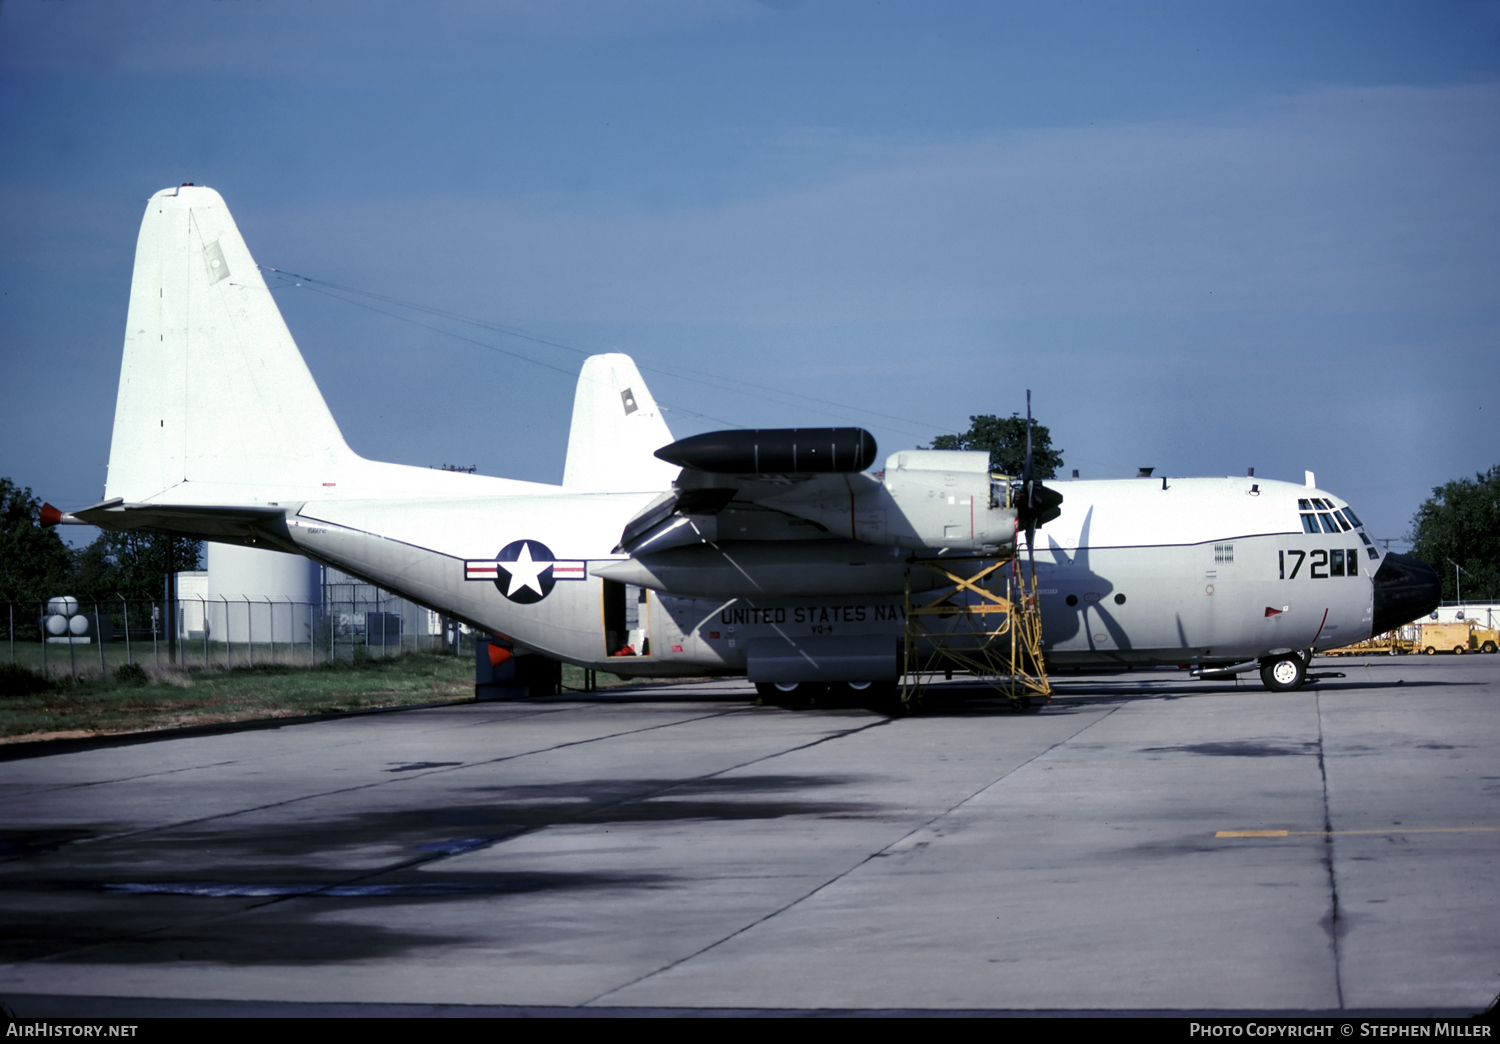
259	525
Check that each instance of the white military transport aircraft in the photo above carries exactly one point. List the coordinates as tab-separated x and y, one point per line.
768	552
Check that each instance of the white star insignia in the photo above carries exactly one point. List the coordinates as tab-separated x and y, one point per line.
524	572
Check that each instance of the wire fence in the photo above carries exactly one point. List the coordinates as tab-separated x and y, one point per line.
64	637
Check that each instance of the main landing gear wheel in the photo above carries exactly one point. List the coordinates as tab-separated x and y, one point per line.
791	694
1284	674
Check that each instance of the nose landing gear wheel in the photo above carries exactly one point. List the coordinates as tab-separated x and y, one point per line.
1284	674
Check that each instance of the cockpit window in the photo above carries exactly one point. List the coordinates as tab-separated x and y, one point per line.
1349	513
1334	520
1304	505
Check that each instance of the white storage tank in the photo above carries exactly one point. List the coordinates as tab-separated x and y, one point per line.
258	595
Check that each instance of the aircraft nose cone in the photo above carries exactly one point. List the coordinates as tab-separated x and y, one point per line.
1405	588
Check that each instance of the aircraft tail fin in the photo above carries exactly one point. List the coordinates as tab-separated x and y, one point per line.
216	404
617	429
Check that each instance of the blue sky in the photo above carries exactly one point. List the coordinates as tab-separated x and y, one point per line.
1207	236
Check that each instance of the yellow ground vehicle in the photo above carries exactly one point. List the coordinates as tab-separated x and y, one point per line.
1457	637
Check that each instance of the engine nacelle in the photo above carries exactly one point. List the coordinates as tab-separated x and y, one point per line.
942	498
763	485
927	499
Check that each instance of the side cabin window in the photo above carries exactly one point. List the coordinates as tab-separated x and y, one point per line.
1344	563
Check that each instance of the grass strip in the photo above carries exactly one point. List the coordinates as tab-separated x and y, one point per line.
144	698
174	698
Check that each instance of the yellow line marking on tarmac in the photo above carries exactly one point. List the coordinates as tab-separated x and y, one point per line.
1391	830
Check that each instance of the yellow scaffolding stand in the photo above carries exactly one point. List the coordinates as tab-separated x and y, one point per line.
988	624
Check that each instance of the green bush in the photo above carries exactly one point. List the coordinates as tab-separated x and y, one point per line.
16	680
131	674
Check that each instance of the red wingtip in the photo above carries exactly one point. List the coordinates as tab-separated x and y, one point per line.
50	515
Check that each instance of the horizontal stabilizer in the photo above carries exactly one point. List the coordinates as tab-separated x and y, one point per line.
252	524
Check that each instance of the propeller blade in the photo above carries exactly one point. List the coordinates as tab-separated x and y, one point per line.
1026	474
1038	504
1028	479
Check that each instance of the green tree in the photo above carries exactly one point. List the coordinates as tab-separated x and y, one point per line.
131	564
1005	438
34	563
1461	523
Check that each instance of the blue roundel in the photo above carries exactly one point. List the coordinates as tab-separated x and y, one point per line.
523	571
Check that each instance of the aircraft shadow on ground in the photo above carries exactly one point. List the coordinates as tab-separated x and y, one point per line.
1101	690
1073	689
1239	749
106	907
